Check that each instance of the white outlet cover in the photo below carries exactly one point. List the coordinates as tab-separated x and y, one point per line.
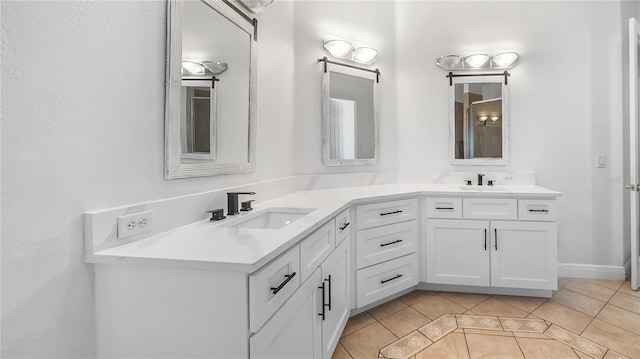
141	222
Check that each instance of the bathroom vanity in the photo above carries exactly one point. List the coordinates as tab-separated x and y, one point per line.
240	288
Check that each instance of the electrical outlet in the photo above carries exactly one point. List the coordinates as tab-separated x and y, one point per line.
133	224
601	161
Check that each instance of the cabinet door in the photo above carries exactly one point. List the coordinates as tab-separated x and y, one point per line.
295	331
336	275
458	252
524	255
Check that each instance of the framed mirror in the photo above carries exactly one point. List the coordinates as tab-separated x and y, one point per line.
350	116
210	117
478	120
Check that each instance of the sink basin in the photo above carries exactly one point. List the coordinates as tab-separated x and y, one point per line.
482	188
273	218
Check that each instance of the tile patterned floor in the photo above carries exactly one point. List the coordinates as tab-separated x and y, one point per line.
584	319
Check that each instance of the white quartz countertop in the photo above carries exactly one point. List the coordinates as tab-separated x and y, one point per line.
219	246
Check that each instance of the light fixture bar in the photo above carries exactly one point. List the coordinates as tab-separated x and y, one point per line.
450	76
327	61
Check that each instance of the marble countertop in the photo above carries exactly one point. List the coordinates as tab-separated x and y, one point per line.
219	246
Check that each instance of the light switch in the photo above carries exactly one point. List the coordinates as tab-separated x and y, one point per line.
601	161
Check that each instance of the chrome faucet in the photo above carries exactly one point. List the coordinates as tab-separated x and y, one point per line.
480	175
232	202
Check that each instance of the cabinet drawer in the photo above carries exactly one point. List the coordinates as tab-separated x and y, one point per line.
343	226
383	213
490	208
384	279
444	208
271	286
537	210
316	248
376	245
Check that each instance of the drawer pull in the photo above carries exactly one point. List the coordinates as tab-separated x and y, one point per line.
329	281
495	231
485	239
390	243
288	278
345	226
324	305
390	279
445	208
388	213
539	210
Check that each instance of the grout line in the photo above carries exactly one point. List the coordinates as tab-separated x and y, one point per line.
466	342
518	344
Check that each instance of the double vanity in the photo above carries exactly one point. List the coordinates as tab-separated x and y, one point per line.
283	279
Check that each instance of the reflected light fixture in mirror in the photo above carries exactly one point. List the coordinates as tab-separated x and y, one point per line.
256	6
503	61
344	50
203	68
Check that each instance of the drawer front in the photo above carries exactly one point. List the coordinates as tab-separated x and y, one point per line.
384	279
316	248
537	210
444	208
343	226
281	276
383	213
490	208
377	245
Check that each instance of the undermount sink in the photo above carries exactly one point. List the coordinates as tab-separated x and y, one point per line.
272	218
482	188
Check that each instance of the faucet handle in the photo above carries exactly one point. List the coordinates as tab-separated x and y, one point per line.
246	205
217	214
490	182
468	182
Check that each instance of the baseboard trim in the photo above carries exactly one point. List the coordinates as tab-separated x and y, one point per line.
592	271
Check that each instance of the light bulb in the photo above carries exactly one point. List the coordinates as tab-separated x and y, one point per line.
448	62
338	48
193	68
477	60
483	118
364	55
505	59
495	118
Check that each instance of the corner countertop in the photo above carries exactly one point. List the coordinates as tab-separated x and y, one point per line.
218	246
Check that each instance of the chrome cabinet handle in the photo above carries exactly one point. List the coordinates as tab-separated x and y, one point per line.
288	278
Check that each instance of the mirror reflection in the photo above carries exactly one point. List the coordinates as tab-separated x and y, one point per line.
350	112
211	92
479	126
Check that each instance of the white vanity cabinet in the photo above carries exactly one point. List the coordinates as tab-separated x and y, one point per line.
310	323
520	252
386	246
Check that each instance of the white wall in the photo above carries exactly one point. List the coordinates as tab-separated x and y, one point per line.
82	129
369	23
565	103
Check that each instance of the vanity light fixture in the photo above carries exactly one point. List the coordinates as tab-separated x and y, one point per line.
345	50
483	118
256	6
495	118
475	62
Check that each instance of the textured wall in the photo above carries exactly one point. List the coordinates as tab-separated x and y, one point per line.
82	129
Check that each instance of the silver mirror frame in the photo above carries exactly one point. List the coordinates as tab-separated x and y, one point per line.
175	167
326	116
505	122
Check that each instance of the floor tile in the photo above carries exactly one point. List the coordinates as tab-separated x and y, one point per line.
547	349
626	289
453	346
404	322
611	284
498	308
563	281
467	300
437	305
626	301
579	302
582	355
564	317
366	342
439	327
613	355
530	335
357	322
478	322
499	333
407	346
577	342
620	317
615	338
340	353
386	309
590	289
528	304
415	296
523	325
494	347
